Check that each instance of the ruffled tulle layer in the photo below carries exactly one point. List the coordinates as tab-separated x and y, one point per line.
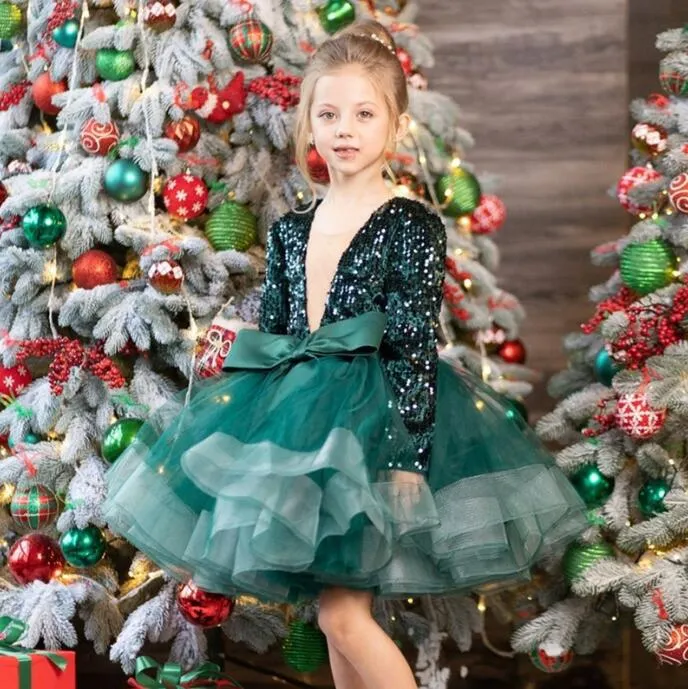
276	482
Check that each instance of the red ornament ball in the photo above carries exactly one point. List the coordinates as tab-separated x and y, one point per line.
185	196
405	61
659	100
185	132
636	417
160	15
201	607
43	90
675	649
13	379
513	352
649	138
631	178
489	216
35	557
552	659
3	193
94	268
317	167
98	138
166	276
678	192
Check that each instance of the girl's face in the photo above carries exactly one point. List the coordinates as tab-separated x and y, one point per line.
350	122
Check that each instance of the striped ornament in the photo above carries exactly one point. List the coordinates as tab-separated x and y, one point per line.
250	41
34	507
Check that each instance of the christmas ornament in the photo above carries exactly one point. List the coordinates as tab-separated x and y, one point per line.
18	167
34	507
218	105
317	167
649	138
658	100
10	20
35	557
185	196
94	268
391	8
31	438
605	367
166	276
673	82
580	556
418	81
648	266
66	33
630	179
250	41
132	269
160	15
201	607
336	14
513	352
118	437
217	344
125	180
551	658
305	648
405	61
83	547
592	485
98	138
115	65
675	649
43	225
489	216
185	132
13	379
678	192
636	417
458	193
43	90
651	497
231	226
3	193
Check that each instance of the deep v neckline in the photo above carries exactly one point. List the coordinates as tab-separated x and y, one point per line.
337	270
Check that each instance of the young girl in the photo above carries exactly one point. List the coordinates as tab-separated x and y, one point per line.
339	458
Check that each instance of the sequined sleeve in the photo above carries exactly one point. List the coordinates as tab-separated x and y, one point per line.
413	285
274	305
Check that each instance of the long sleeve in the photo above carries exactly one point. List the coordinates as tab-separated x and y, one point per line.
413	286
274	306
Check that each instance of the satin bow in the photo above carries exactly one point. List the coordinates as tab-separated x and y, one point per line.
151	675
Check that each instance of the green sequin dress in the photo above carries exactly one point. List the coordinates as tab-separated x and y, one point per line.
285	474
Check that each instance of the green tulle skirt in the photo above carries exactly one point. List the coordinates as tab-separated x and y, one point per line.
274	479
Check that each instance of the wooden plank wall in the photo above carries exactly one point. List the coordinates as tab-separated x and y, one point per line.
542	84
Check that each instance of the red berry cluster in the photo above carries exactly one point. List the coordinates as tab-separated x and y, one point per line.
63	10
619	302
453	294
279	88
651	329
603	420
14	95
69	354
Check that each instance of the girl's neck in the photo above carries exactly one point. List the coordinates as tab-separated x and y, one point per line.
361	190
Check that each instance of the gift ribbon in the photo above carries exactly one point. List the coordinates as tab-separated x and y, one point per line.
11	630
151	675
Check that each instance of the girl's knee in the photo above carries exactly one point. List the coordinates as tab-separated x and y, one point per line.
342	615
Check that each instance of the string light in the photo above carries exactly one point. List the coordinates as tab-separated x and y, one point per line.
482	606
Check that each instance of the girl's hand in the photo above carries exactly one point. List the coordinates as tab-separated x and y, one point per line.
407	487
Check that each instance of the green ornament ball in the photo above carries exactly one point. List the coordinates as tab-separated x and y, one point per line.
115	65
305	648
336	14
648	266
651	497
118	437
458	193
83	547
592	485
580	556
66	34
6	45
43	225
605	367
10	20
231	226
34	507
125	180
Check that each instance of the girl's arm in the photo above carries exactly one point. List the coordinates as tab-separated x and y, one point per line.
274	305
415	273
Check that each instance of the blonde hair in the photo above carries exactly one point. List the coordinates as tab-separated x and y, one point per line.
369	45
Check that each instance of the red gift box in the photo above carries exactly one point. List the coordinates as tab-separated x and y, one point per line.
44	674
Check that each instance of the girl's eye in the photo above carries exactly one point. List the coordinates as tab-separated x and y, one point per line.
366	114
326	115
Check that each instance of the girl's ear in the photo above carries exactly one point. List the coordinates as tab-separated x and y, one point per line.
403	127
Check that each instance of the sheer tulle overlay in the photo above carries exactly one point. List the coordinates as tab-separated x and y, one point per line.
277	478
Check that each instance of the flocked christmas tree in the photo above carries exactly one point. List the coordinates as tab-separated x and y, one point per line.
144	151
622	417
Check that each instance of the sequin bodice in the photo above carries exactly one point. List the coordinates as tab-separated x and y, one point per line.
394	264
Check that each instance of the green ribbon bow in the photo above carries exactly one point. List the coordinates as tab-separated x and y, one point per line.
358	336
11	630
152	675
